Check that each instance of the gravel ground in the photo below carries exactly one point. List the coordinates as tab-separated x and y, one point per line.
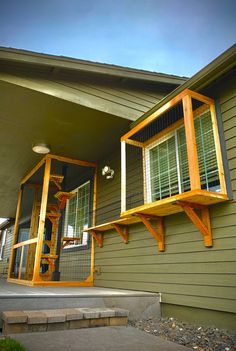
193	336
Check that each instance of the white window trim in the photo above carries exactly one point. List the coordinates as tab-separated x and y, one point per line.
85	234
3	243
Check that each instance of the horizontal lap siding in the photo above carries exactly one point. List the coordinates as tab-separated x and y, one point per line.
187	273
6	254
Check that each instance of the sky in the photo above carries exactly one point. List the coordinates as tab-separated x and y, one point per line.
169	36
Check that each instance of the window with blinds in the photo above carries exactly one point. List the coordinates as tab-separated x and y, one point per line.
77	215
167	170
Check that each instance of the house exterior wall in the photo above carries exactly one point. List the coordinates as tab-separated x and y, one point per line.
195	282
6	253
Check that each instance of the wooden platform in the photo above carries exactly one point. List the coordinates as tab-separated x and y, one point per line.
163	208
170	205
187	202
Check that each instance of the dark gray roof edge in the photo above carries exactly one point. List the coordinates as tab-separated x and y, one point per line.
206	75
25	56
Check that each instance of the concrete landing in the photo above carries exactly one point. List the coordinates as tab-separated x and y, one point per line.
20	297
96	339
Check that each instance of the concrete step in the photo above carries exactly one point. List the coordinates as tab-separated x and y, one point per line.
15	322
19	297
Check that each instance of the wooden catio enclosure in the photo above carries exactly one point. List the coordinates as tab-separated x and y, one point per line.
35	257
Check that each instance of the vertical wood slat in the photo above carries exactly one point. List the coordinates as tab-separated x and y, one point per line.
21	261
218	149
191	143
123	176
42	217
94	222
16	228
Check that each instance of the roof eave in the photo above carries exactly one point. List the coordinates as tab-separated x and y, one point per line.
205	76
24	56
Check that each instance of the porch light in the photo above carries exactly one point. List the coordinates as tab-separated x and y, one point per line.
41	148
108	172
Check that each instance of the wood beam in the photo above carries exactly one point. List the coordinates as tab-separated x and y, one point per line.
203	224
71	160
26	242
199	97
43	209
34	170
191	143
92	259
16	228
21	262
134	143
155	115
123	231
158	233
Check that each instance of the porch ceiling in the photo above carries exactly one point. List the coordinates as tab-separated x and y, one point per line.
27	116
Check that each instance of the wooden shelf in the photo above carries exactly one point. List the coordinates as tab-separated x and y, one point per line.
170	205
119	225
48	256
62	197
110	225
187	202
66	240
57	179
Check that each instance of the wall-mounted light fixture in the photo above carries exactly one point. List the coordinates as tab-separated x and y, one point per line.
41	148
108	172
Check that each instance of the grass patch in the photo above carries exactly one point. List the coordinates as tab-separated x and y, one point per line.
10	345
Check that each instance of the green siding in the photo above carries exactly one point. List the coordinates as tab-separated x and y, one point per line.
187	273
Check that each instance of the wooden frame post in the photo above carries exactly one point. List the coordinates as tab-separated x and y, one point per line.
194	174
43	209
92	264
16	228
123	176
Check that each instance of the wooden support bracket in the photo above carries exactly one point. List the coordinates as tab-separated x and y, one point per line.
97	236
158	233
123	231
203	224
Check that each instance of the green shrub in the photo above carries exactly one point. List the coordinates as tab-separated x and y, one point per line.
10	345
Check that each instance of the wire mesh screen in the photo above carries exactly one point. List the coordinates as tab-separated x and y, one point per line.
134	177
75	264
161	169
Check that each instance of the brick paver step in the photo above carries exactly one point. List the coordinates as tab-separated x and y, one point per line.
62	319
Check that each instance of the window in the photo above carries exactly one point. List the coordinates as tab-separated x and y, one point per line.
167	169
77	215
3	235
